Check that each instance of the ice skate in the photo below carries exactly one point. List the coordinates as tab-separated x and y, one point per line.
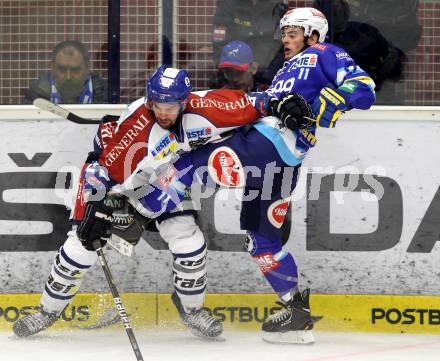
199	321
293	324
32	324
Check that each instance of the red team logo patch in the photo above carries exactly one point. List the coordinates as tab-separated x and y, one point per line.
266	262
277	212
225	168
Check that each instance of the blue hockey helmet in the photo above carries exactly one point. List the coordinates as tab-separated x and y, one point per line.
168	85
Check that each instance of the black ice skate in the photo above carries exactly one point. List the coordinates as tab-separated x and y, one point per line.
32	324
293	324
199	321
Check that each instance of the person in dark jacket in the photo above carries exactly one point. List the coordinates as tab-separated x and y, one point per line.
255	22
69	81
377	34
236	67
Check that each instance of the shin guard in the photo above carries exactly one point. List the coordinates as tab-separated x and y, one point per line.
188	246
70	265
277	266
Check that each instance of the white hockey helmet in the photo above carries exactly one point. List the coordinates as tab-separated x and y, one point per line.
308	18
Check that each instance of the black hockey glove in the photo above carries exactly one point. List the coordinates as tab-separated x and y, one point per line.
293	111
95	225
108	118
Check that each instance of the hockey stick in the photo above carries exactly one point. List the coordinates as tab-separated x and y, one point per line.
118	302
44	104
110	317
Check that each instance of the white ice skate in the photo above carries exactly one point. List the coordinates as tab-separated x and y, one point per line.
199	321
32	324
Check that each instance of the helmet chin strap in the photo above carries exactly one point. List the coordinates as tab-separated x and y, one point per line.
183	105
306	39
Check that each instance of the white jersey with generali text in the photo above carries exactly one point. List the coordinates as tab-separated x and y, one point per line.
135	145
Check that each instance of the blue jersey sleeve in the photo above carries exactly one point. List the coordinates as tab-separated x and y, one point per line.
350	80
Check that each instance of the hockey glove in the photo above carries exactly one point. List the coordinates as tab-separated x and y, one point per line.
95	225
262	102
328	106
108	118
122	211
293	111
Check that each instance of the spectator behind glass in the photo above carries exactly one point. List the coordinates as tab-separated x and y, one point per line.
255	22
376	36
69	81
237	66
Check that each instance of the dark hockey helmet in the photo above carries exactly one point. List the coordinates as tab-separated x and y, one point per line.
168	85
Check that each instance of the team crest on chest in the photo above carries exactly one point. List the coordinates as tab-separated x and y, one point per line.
305	61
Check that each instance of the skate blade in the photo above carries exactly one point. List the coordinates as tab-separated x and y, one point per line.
290	337
219	338
316	318
215	339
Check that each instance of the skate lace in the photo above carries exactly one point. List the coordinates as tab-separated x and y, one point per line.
282	315
37	321
201	319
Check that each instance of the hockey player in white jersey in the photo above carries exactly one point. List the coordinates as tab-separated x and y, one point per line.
145	136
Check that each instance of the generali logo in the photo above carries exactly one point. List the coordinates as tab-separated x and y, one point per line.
241	103
126	140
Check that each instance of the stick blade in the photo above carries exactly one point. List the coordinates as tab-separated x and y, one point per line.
48	106
110	317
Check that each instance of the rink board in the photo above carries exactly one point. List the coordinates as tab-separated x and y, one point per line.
347	313
344	237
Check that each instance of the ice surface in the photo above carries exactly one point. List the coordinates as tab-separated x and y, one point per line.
244	346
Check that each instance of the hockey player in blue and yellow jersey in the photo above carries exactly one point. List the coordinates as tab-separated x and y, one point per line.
323	74
330	81
265	159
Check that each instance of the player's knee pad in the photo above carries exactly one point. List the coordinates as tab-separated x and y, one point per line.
70	265
257	244
182	234
187	244
266	252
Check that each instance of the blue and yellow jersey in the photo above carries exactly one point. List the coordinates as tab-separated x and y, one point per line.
321	65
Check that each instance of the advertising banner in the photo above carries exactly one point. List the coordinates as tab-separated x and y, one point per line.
364	216
366	313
